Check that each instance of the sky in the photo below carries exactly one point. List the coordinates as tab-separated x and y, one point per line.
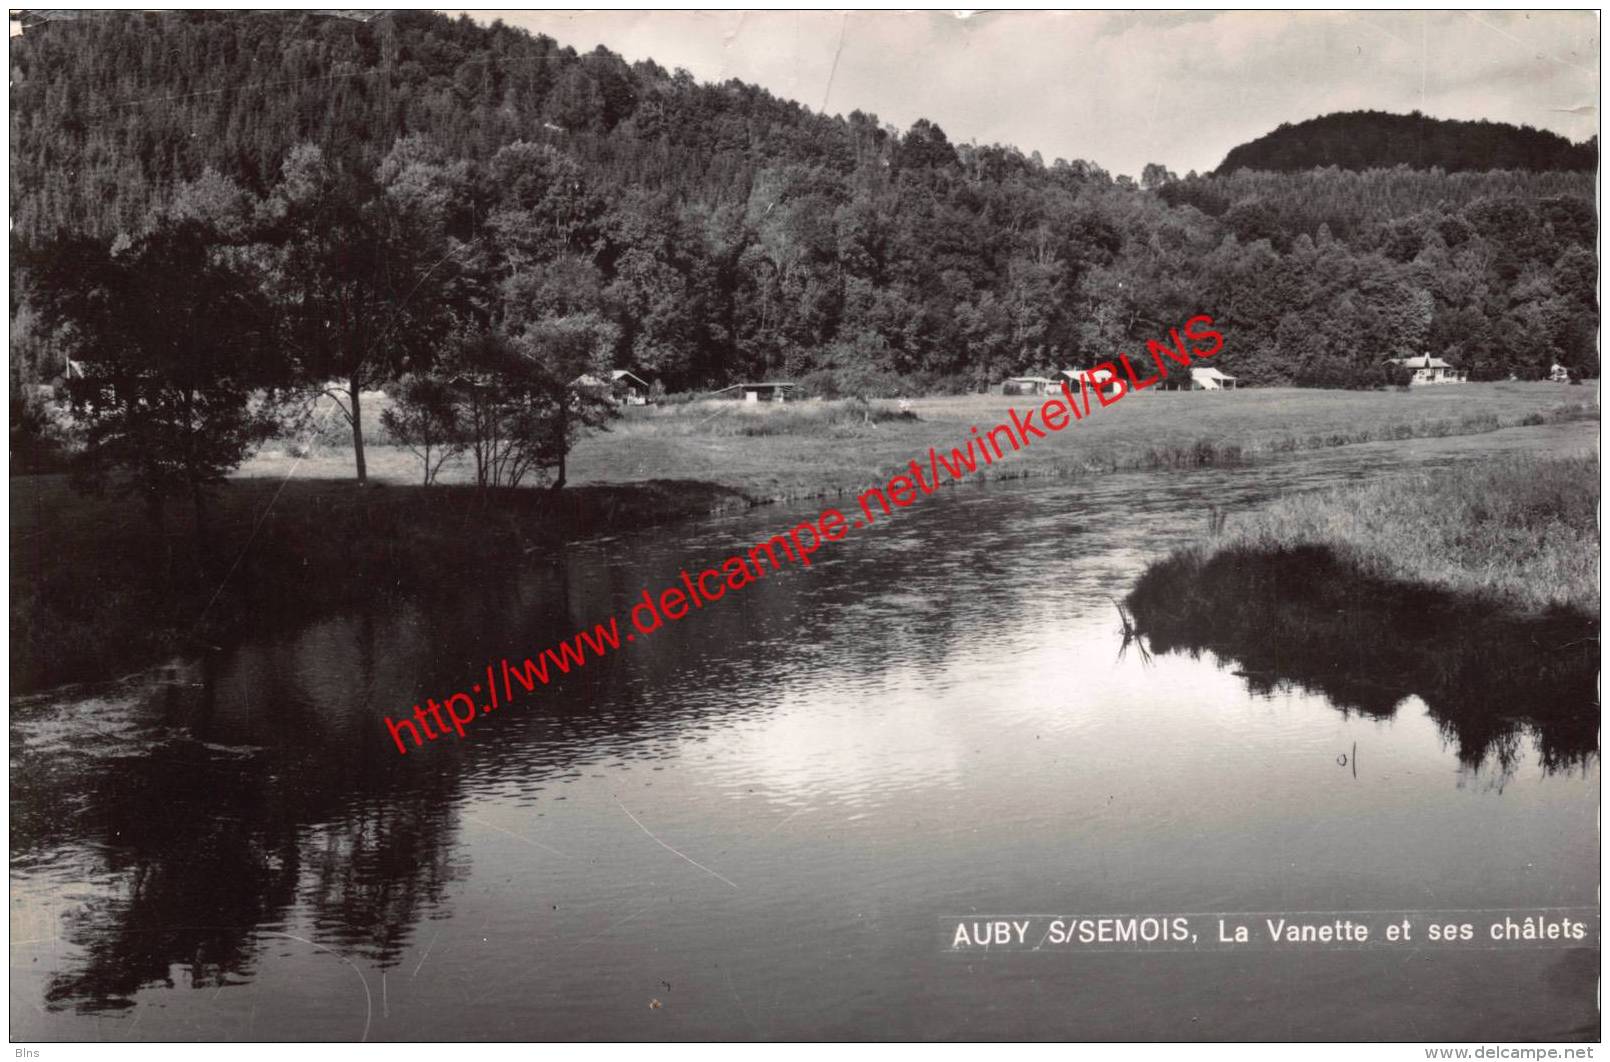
1122	89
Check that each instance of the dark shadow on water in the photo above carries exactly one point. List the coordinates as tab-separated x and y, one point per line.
1305	618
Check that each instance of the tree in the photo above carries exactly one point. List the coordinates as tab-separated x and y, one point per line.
365	275
517	409
555	352
1155	176
424	417
504	411
170	338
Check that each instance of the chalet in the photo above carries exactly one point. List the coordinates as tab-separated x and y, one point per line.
1027	385
1428	370
628	387
1200	379
1112	387
622	386
775	391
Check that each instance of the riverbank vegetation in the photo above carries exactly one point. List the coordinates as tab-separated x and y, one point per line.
96	587
1521	532
1474	587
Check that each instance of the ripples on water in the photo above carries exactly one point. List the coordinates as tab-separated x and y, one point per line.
756	815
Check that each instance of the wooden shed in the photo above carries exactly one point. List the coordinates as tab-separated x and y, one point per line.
628	387
773	391
1428	370
1026	385
1109	387
1200	379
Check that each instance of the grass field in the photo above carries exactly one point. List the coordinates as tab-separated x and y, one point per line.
776	452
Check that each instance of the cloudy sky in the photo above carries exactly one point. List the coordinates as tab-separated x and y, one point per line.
1124	88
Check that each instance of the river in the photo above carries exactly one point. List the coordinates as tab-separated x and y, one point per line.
750	824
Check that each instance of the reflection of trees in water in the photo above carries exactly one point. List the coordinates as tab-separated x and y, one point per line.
199	865
258	807
1303	617
282	799
206	853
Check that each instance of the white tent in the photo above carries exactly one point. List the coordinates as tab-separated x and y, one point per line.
1212	380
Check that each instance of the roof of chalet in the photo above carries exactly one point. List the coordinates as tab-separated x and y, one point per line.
1028	379
592	379
1210	374
1425	361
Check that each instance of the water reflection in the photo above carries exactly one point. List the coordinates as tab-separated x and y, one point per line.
1305	618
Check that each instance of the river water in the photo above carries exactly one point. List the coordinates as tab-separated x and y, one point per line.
751	824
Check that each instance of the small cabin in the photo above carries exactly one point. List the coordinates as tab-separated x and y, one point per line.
1428	370
621	387
1559	373
774	391
1027	385
629	388
1200	379
1109	386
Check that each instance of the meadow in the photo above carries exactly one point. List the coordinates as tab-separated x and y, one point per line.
809	448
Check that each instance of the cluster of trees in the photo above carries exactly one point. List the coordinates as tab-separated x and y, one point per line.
1367	140
436	205
228	312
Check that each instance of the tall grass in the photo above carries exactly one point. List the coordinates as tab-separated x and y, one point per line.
1425	428
826	418
1521	530
1475	587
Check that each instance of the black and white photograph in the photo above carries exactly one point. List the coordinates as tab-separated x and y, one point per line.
711	526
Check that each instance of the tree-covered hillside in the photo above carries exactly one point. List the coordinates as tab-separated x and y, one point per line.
700	234
1367	140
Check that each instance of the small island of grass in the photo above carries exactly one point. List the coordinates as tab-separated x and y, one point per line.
1475	587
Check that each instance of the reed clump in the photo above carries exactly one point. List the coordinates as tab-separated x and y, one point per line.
1475	587
1519	531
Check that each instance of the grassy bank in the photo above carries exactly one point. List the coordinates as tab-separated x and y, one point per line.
1520	532
97	589
1475	588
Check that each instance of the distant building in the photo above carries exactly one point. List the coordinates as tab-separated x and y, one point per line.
1201	379
1026	385
1428	370
622	386
1111	387
1559	374
628	387
775	391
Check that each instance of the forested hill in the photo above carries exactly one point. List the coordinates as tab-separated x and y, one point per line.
1365	140
704	233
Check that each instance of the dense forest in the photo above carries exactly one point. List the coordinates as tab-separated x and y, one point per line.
408	194
1369	140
